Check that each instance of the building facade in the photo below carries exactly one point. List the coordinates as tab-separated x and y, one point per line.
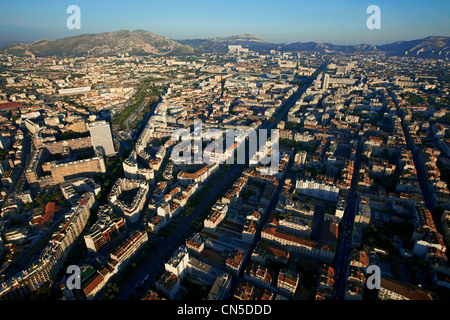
101	137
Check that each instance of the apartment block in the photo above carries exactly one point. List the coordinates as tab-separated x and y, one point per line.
130	208
101	137
127	249
50	261
105	229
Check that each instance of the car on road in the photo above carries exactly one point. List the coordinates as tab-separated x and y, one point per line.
145	279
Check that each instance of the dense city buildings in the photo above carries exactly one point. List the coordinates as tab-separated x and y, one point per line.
121	165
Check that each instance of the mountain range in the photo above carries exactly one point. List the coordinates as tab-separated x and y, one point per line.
139	42
142	42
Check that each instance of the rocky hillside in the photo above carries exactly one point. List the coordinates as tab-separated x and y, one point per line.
108	43
141	42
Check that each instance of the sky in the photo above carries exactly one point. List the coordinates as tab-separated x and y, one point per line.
277	21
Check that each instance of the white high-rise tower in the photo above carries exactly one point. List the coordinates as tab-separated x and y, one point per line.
101	137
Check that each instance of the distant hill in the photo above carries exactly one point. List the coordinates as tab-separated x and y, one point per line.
430	46
141	42
427	47
238	38
326	47
220	44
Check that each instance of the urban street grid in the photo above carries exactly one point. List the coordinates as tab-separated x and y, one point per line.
102	198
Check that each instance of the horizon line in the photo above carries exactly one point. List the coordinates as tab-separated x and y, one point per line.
214	37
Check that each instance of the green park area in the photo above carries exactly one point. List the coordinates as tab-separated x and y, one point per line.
149	96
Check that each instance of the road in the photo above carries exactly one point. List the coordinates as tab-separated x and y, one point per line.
123	138
153	266
124	143
237	279
342	256
135	113
27	149
292	100
418	160
167	245
346	226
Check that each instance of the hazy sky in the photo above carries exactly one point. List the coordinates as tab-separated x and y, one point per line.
334	21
